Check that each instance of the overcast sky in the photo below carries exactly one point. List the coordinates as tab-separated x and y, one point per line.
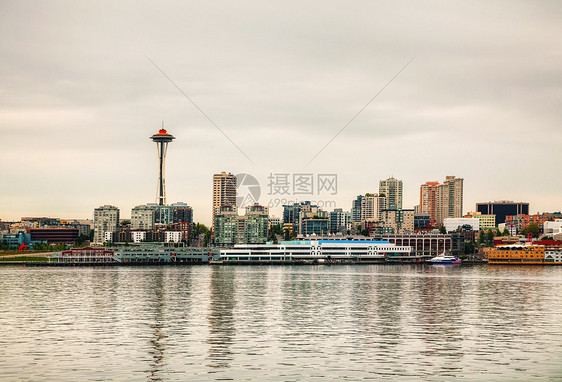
79	99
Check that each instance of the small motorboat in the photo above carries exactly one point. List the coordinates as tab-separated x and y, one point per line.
445	260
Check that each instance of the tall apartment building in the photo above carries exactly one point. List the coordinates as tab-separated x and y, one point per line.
442	200
450	199
356	209
143	217
252	228
106	219
224	192
428	199
372	207
392	189
182	213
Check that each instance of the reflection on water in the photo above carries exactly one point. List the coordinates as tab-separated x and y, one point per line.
281	323
221	317
157	345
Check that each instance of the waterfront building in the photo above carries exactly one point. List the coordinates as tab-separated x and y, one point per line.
517	254
143	217
318	251
224	192
428	244
453	224
399	220
106	219
392	189
502	209
162	138
142	254
486	221
372	207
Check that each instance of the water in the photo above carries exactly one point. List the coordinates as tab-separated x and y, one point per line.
274	323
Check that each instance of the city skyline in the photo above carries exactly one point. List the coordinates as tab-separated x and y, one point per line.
81	98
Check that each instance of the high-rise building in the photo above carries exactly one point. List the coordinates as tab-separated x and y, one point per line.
224	192
392	189
182	213
356	209
143	217
162	138
428	199
106	219
256	222
442	201
450	199
252	228
372	207
502	209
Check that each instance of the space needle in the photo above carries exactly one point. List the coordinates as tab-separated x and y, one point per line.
162	138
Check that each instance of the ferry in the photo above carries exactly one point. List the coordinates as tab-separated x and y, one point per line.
317	251
445	260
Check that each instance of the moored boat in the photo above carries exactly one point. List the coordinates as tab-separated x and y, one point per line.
445	260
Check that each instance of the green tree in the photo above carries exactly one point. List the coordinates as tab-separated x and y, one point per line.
443	230
481	237
505	232
469	247
532	228
490	236
80	240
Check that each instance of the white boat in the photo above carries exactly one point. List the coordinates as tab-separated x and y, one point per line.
445	259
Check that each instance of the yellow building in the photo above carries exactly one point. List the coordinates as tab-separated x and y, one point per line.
516	254
486	221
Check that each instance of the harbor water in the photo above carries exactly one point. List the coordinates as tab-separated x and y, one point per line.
281	323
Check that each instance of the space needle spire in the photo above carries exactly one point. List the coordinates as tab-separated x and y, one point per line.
162	138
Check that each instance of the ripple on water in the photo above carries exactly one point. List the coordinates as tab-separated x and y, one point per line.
281	323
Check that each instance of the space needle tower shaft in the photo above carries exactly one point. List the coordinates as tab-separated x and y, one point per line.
162	138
